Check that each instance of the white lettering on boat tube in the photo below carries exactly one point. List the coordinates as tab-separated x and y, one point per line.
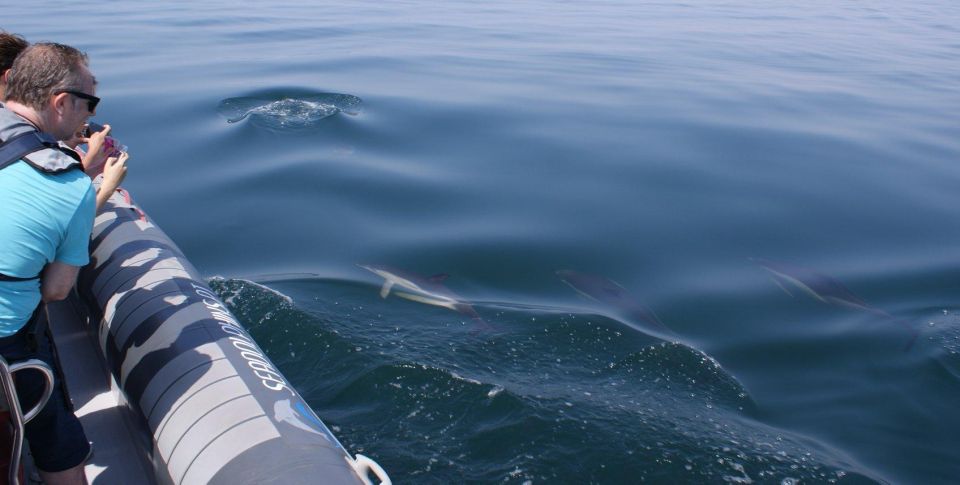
269	377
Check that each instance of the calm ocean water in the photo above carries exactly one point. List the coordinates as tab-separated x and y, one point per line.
697	154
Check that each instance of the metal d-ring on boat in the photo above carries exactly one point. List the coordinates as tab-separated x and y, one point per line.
17	418
214	407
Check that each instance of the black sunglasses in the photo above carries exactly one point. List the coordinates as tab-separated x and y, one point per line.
92	101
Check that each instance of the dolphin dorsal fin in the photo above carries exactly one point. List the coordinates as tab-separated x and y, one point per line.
438	278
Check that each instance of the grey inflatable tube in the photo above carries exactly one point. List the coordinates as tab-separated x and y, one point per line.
218	410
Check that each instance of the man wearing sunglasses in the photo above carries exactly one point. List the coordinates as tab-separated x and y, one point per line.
102	152
46	216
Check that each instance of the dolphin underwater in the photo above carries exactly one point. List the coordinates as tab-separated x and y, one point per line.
426	290
609	292
825	289
819	286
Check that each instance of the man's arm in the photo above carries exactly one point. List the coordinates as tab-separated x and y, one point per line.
58	278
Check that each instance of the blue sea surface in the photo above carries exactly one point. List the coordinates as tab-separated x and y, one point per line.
692	242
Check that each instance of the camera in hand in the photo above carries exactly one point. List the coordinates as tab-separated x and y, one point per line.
92	127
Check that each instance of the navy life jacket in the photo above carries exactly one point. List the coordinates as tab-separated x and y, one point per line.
19	140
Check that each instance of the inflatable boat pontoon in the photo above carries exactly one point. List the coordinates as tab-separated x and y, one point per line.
169	386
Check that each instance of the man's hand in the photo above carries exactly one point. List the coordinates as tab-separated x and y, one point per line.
97	152
114	171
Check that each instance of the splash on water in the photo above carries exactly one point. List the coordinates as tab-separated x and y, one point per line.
231	289
288	110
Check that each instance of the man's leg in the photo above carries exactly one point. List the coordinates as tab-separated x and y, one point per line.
57	441
73	476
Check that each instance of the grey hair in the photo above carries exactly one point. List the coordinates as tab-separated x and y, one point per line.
41	71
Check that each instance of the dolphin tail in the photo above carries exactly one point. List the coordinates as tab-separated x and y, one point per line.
479	324
482	326
385	290
642	314
914	333
913	339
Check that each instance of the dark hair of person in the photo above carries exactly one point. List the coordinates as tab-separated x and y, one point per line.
42	70
11	45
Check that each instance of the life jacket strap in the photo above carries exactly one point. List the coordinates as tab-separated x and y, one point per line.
23	144
19	146
4	277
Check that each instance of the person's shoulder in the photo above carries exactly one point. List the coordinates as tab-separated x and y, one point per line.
70	184
74	176
73	180
81	185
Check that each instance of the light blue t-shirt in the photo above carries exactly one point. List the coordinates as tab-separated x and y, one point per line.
43	218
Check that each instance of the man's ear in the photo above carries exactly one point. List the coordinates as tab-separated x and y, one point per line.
59	102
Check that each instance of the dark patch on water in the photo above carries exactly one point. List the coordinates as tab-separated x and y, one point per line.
287	109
